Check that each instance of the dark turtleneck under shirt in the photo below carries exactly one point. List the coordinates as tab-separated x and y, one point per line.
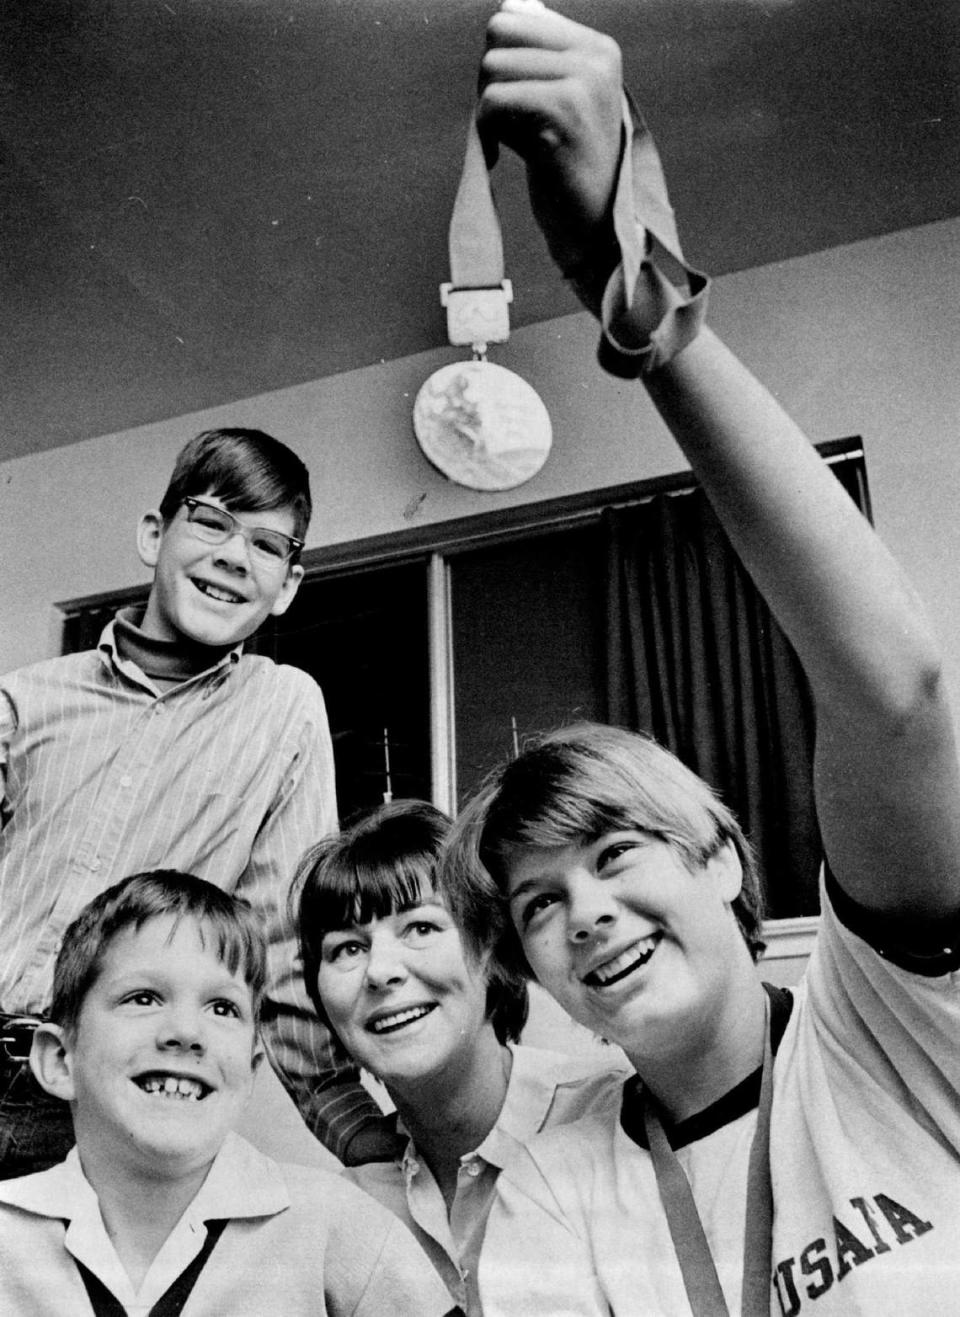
166	662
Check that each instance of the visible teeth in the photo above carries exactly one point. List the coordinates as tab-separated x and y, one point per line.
401	1017
172	1086
225	596
636	955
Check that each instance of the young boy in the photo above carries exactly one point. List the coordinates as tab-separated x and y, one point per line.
168	746
160	1208
795	1153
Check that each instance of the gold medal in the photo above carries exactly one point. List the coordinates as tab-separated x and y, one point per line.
482	425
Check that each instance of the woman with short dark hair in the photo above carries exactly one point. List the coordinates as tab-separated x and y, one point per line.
436	1020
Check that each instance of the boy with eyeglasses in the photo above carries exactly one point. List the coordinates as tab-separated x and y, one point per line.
161	1208
167	746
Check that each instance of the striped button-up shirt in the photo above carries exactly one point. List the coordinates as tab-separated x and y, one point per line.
228	776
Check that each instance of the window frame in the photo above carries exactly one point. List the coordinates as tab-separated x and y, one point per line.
436	546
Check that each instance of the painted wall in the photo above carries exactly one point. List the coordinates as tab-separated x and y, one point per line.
856	340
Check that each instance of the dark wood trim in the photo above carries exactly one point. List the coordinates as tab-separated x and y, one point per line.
461	533
529	519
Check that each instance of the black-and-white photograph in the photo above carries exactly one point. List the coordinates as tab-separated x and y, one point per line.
479	658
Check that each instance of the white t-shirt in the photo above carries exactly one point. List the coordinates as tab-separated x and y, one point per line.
865	1156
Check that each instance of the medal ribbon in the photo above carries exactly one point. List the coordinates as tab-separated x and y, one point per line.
480	424
686	1229
477	296
662	320
474	241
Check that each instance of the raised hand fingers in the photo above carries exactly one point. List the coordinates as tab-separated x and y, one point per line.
551	90
545	79
528	22
527	43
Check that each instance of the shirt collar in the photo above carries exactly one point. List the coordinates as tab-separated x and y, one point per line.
525	1106
107	646
241	1183
63	1191
407	1160
530	1092
535	1078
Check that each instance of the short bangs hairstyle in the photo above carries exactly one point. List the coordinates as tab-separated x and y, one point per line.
248	470
226	922
571	787
380	866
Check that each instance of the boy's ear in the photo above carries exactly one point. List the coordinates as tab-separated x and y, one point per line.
287	591
51	1061
727	872
149	538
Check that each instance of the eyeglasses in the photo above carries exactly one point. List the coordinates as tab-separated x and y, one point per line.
268	548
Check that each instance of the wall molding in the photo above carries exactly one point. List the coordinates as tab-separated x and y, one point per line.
790	939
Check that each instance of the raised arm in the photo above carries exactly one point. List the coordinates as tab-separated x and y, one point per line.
886	780
886	777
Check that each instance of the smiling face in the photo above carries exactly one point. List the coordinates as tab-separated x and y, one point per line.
161	1062
212	594
630	941
402	995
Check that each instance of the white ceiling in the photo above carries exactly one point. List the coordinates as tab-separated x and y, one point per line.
207	199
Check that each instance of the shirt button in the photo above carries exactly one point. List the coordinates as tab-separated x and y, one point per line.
126	780
413	1167
473	1169
94	865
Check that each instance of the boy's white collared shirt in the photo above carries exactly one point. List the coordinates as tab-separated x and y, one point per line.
233	1188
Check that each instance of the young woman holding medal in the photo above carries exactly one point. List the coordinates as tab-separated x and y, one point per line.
784	1152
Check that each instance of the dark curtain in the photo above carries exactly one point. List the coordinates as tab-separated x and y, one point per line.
82	629
695	658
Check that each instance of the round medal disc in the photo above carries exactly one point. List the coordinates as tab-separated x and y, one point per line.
481	425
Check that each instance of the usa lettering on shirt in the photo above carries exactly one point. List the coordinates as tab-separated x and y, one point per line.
874	1225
